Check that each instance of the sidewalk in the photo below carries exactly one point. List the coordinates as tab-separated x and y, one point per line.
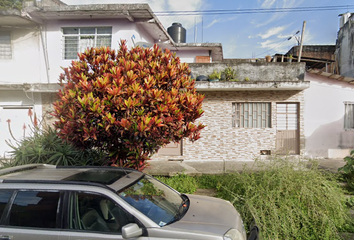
170	168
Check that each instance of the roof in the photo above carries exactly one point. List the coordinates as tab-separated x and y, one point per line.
141	14
315	56
331	76
112	177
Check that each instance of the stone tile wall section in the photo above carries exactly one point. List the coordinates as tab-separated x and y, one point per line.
220	141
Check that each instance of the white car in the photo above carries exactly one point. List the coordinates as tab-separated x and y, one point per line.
76	203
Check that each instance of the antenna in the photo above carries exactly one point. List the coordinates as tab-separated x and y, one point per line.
195	30
202	28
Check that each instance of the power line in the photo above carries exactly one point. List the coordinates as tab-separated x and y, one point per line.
255	10
279	43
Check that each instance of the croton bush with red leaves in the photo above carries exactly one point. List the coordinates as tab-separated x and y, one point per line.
127	103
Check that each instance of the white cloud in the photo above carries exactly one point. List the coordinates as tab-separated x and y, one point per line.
277	4
268	3
213	22
271	32
221	20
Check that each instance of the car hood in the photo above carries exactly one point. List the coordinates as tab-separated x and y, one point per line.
208	214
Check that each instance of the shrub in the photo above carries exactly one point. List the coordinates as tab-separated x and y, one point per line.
348	169
182	183
127	103
46	147
229	74
287	200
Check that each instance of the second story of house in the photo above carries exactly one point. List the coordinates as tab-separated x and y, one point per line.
37	41
345	45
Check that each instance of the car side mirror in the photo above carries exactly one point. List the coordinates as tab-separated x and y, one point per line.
131	230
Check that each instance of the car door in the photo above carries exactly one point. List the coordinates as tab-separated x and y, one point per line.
94	216
29	215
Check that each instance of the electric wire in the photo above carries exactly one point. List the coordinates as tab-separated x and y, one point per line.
254	10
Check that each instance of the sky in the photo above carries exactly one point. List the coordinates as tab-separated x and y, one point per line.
250	28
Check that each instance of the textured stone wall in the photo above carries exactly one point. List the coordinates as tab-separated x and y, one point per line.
254	72
47	108
220	141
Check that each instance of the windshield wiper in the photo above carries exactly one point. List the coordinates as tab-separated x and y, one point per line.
181	209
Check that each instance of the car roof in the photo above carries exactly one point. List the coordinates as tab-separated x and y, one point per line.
111	177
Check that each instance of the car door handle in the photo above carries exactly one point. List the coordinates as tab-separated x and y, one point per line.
5	237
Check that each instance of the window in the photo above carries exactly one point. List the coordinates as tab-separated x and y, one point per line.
349	115
5	45
93	212
78	39
4	199
34	209
251	115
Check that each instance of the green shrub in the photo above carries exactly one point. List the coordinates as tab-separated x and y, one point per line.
208	181
182	183
46	147
288	200
348	170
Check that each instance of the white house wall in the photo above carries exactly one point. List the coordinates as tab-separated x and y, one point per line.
189	56
122	29
14	106
324	118
26	64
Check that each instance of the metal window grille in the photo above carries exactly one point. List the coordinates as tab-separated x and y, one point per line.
251	115
349	115
287	116
5	45
79	39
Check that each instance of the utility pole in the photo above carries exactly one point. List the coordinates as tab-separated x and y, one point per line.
302	37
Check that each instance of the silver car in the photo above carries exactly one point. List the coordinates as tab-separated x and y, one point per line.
76	203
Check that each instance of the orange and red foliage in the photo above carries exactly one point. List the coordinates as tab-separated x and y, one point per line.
127	103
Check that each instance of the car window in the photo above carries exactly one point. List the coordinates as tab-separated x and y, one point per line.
94	212
4	199
155	200
35	209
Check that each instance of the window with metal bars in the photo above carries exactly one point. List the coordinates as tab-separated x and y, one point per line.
349	116
251	115
78	39
5	45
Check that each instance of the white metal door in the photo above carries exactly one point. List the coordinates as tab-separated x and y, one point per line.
20	124
288	128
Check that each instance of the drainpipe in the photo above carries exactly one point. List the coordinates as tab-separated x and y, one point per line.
45	53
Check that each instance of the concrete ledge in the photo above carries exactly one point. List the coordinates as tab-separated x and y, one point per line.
171	168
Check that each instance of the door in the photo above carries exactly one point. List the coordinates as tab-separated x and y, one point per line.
19	127
94	216
32	215
287	137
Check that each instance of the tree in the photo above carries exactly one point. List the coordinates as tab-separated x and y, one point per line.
10	4
127	103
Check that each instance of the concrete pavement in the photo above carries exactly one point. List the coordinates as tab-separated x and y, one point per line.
170	168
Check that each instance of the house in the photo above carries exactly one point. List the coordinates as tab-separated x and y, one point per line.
256	115
329	115
269	108
36	42
321	57
345	45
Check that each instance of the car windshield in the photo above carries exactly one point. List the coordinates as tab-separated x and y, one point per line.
155	200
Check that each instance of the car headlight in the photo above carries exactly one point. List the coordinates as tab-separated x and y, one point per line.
234	234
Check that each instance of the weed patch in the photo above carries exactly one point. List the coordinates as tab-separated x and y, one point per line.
288	200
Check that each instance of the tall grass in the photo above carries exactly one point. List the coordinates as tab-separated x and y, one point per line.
288	200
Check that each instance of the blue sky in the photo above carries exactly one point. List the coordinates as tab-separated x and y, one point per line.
250	35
